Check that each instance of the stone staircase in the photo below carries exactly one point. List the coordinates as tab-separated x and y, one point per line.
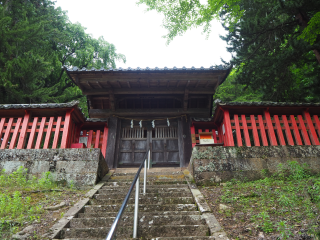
167	211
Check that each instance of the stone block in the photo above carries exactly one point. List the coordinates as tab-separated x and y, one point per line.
82	167
211	165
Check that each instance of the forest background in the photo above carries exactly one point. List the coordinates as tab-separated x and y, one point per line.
275	47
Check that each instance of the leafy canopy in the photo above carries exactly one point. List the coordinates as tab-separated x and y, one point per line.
36	40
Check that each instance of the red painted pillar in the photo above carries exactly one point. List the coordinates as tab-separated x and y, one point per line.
105	140
66	129
193	135
23	133
312	131
272	136
228	129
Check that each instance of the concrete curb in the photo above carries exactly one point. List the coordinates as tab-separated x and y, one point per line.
54	231
213	224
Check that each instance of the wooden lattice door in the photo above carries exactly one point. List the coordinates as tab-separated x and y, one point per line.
165	146
133	146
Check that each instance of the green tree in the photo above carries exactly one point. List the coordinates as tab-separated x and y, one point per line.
36	40
231	91
263	37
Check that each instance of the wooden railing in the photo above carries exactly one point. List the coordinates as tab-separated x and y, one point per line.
48	132
267	130
95	138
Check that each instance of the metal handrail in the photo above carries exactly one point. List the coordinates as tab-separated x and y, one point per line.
135	182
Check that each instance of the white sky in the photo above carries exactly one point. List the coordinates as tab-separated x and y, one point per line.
138	35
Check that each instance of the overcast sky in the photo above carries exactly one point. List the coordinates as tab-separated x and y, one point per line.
138	35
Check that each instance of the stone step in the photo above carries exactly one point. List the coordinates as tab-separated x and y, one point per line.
160	195
143	232
126	214
127	186
157	171
145	200
149	177
150	183
124	190
142	208
144	220
159	238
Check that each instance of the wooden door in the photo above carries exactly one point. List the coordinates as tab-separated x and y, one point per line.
165	148
133	146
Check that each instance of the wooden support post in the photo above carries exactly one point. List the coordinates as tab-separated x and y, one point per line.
304	131
245	130
262	131
66	129
56	133
238	132
23	133
315	118
228	129
272	136
33	133
1	126
105	140
193	135
295	130
15	134
89	139
48	134
254	131
214	135
97	142
287	130
6	134
279	130
312	131
40	134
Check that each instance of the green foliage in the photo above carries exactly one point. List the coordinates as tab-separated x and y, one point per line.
272	62
280	203
311	32
181	15
231	91
37	39
284	230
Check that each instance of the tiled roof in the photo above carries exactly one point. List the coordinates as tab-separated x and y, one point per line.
269	104
40	105
129	69
96	120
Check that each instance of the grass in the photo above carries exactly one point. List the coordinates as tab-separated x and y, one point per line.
22	199
280	205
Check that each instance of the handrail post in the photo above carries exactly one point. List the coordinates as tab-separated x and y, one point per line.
136	208
145	178
149	159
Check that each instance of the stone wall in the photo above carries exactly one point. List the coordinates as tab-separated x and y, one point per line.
82	167
210	165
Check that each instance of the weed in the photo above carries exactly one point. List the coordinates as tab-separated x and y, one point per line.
284	230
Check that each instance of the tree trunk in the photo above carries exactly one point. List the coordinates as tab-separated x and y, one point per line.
303	21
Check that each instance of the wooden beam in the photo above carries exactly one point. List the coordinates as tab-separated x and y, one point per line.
99	84
197	84
103	113
207	84
178	83
188	83
151	90
111	99
168	83
185	99
79	84
119	84
129	86
90	85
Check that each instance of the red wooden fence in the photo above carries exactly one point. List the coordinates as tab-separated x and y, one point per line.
47	132
267	130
